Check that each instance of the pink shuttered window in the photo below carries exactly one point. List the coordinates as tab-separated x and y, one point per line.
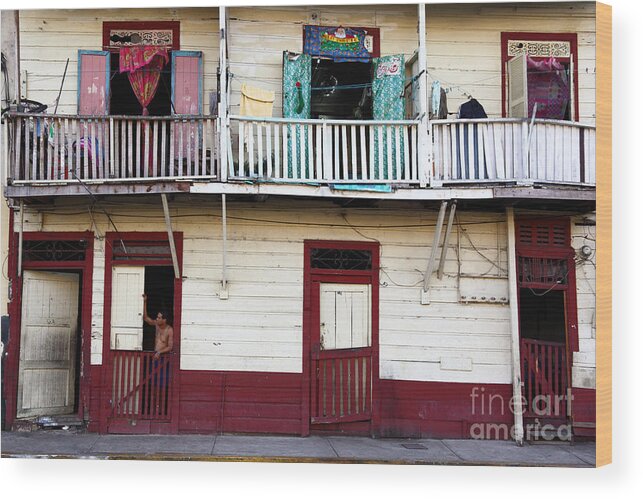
93	82
187	71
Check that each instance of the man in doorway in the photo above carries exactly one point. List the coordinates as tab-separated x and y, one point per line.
163	339
156	392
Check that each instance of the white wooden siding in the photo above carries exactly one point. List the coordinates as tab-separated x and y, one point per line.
463	44
463	47
258	37
584	362
49	37
259	327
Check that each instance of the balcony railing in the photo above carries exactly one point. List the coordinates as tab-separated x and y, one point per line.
324	151
48	148
492	150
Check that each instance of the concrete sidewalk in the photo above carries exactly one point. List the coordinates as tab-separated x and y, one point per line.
335	449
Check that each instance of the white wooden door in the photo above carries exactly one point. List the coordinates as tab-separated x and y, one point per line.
344	316
128	285
48	333
517	83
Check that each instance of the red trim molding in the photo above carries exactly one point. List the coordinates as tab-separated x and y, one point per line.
572	38
111	239
346	276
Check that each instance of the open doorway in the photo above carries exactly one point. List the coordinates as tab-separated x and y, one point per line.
542	315
123	101
341	90
159	288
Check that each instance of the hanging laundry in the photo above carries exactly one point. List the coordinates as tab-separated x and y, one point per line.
548	86
438	104
470	167
256	101
471	109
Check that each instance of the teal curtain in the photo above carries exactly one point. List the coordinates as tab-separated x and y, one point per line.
388	104
297	70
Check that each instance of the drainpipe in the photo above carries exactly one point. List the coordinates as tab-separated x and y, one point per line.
223	295
516	407
20	236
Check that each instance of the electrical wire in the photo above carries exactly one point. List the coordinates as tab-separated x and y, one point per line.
503	270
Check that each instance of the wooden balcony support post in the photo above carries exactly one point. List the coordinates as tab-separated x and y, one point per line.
224	121
425	148
445	244
170	236
516	405
434	252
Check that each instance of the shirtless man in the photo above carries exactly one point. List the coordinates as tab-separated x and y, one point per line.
163	341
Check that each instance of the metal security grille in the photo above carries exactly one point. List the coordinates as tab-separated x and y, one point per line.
340	259
548	271
54	251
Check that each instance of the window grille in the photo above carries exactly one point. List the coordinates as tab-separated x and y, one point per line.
340	259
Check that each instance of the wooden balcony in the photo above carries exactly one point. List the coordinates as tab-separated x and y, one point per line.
513	150
128	154
46	149
324	151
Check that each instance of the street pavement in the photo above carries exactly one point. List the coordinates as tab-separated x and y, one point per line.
332	449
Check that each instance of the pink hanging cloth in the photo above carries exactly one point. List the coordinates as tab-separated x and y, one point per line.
548	87
143	63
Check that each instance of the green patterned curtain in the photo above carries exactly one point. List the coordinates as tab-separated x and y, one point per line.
388	104
296	104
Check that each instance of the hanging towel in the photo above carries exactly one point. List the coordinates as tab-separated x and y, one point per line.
256	101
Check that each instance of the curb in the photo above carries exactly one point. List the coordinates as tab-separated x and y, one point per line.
279	459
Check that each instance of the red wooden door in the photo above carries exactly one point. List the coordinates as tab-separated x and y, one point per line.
544	374
341	349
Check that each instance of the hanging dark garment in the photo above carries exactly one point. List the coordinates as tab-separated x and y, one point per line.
470	168
471	109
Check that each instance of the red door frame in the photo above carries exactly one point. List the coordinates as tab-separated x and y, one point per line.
112	238
15	312
347	277
572	38
563	253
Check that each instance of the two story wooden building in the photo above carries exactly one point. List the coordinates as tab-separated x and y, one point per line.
365	221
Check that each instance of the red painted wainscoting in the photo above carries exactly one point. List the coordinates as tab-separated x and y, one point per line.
421	409
270	403
584	412
240	402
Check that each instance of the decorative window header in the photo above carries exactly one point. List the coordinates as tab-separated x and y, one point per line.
538	48
118	34
127	38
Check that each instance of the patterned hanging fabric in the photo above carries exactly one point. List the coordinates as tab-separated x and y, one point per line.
143	64
296	104
548	86
388	104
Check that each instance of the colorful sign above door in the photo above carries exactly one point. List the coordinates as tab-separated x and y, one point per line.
338	43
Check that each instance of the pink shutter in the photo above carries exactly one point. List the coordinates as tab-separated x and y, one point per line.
186	100
186	82
93	82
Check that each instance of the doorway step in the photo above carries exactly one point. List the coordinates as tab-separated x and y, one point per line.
69	422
